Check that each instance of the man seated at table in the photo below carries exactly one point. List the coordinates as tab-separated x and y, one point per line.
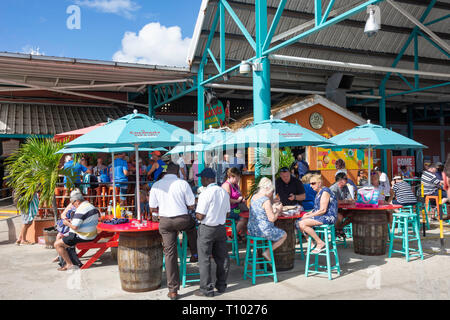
212	209
83	227
344	193
173	196
290	190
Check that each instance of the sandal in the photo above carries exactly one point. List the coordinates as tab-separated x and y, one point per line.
26	243
317	251
18	243
67	268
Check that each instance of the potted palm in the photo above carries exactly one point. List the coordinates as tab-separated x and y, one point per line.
35	169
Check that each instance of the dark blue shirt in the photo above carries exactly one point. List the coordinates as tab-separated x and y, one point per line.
76	169
303	168
308	203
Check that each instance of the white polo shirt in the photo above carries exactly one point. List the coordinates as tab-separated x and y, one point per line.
214	203
172	196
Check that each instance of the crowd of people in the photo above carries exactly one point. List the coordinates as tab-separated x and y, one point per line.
219	198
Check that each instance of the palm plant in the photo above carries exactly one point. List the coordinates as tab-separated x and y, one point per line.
285	159
34	168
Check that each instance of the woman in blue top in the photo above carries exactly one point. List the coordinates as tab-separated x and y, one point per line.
310	194
324	212
157	168
262	217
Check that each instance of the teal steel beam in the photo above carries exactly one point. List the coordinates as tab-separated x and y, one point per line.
239	23
416	60
218	67
25	136
437	20
200	116
405	80
382	119
222	37
419	90
210	38
408	41
327	12
318	12
231	69
322	26
274	25
434	43
151	101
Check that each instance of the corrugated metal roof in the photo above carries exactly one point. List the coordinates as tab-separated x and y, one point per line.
45	119
345	41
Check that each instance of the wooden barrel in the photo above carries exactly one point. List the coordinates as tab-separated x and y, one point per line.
285	254
370	232
140	258
114	253
50	238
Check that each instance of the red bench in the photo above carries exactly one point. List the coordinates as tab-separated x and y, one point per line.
101	246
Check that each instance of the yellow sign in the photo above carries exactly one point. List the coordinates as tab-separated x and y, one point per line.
354	158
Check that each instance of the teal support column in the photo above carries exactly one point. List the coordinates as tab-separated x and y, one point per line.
200	116
410	128
383	124
261	72
151	101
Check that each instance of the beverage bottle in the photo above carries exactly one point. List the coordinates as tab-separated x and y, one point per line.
110	208
118	211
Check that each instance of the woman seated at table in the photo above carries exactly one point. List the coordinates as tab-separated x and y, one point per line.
310	194
262	216
324	212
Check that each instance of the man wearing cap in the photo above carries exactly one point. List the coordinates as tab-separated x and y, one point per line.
212	209
402	192
289	189
171	197
157	168
83	227
384	183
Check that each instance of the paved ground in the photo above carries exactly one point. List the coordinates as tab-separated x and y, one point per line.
27	273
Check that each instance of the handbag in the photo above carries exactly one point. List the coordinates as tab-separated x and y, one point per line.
368	197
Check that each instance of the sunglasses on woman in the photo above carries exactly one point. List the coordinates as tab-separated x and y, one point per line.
313	183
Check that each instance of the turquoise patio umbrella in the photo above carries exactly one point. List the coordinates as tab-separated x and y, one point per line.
370	136
138	130
107	150
271	134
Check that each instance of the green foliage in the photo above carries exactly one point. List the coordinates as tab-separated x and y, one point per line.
285	159
34	168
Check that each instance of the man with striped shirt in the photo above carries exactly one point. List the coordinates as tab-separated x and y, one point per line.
430	181
402	192
83	227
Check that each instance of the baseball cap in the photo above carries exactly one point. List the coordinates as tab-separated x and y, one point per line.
156	153
207	173
397	178
377	169
284	169
76	195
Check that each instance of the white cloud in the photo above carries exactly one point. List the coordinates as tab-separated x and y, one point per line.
154	44
32	50
121	7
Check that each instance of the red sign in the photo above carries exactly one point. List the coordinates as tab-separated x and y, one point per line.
399	161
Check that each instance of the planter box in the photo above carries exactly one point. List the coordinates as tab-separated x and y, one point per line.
37	228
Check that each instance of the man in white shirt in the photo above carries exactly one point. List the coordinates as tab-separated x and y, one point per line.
183	171
212	209
172	197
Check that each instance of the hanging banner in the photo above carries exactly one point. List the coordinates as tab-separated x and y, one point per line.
398	161
214	115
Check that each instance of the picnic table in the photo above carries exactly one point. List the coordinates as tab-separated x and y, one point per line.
285	254
370	227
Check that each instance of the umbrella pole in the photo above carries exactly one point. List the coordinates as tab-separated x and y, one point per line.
114	185
273	170
369	169
138	198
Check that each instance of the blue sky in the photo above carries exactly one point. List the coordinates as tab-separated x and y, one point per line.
26	25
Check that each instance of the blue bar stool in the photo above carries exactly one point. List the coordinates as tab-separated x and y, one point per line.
193	277
300	241
253	244
327	234
407	230
231	223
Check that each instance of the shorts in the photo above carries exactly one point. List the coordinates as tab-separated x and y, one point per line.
27	219
72	239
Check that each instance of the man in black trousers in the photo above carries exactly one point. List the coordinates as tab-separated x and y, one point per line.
212	209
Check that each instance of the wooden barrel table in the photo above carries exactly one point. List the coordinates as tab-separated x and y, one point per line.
285	254
370	229
139	255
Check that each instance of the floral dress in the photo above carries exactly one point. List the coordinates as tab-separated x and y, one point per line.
258	223
328	217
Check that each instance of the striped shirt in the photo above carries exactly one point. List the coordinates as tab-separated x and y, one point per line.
404	193
430	183
86	219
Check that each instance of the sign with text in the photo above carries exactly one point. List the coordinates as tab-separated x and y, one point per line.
214	115
398	161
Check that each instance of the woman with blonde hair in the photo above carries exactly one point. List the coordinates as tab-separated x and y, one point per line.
324	212
263	215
